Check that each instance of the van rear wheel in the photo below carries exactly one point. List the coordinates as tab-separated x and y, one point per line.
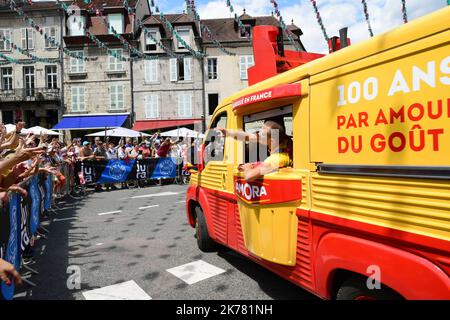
356	288
204	241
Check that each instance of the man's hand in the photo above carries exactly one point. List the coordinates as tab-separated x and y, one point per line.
29	139
24	154
8	273
20	190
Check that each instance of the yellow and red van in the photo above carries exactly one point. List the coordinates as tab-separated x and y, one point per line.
368	195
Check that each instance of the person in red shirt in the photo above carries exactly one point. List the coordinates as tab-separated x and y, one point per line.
144	148
164	148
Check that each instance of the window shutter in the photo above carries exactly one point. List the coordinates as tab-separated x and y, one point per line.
188	105
155	65
187	69
180	105
156	106
8	35
147	101
242	67
24	38
173	70
147	71
31	38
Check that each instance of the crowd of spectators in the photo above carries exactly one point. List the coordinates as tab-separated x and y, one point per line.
22	157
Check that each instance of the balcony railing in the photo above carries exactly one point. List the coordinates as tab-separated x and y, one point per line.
32	94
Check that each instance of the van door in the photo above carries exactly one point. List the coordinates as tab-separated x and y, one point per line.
214	179
272	209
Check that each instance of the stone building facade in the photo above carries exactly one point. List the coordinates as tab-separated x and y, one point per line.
31	91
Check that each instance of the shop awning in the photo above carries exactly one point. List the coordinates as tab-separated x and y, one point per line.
144	125
87	122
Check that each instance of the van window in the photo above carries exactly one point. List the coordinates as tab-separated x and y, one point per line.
255	152
215	142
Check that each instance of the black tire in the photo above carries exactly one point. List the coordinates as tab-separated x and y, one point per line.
204	241
356	289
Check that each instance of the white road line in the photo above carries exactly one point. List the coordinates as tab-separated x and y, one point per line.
147	207
128	290
184	201
161	194
63	219
195	271
110	212
99	244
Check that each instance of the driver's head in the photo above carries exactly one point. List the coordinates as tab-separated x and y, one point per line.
268	129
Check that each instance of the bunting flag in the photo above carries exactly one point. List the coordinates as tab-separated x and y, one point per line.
195	53
404	13
27	53
35	26
283	25
206	30
366	14
319	20
238	21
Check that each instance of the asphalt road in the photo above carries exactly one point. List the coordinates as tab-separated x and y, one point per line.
112	238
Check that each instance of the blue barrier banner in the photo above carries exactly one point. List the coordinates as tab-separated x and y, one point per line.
12	254
165	168
48	192
35	196
116	171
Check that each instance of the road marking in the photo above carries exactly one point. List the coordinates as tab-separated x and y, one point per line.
195	271
128	290
99	244
161	194
110	212
63	219
147	207
184	201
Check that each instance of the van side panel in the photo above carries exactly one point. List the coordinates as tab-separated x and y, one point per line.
389	109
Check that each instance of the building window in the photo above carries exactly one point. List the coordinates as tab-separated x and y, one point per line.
185	105
151	70
150	43
246	30
52	36
78	98
185	35
77	65
116	93
77	25
213	102
115	64
5	34
28	36
151	107
7	79
115	20
29	81
51	77
180	69
212	68
245	62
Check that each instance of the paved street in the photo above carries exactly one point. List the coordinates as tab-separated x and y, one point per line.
131	238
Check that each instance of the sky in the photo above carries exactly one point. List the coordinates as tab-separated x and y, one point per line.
336	14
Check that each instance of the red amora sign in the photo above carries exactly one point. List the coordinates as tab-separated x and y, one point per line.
267	191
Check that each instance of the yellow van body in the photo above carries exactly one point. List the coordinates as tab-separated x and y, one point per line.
371	168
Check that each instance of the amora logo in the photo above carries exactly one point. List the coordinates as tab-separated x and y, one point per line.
250	192
117	170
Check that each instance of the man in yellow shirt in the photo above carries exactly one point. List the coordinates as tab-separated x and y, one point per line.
279	145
